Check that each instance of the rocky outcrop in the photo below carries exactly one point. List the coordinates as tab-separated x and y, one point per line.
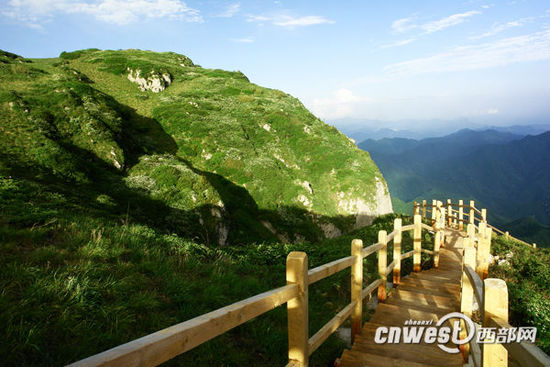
363	210
155	82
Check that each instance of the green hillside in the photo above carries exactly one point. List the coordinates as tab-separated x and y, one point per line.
138	190
232	162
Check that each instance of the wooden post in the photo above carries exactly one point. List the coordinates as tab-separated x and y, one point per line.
449	213
417	238
416	209
472	212
484	215
460	214
467	295
483	250
297	308
434	204
495	304
383	263
397	224
437	244
423	208
356	288
534	245
471	231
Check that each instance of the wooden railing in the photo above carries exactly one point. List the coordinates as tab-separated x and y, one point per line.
490	295
456	217
156	348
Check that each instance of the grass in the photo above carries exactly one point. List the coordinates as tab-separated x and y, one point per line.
77	283
527	275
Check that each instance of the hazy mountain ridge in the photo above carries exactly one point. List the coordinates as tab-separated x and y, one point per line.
504	172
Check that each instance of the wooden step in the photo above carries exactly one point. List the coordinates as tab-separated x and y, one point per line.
433	292
421	305
387	314
429	355
427	300
355	359
449	286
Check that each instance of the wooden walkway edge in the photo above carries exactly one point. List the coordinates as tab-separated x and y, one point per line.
425	295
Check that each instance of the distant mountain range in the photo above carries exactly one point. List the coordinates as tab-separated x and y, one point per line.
505	172
360	130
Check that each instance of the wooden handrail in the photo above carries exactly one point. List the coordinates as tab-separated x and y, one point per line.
159	347
476	282
407	254
330	327
326	270
427	227
372	249
370	288
492	297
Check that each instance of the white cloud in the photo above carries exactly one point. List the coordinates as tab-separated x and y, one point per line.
342	103
399	43
243	40
404	25
230	10
110	11
497	28
289	21
531	47
493	111
449	21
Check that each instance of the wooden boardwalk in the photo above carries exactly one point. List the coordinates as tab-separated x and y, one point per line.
426	295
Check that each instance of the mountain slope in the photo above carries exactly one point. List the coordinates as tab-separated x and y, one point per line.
234	162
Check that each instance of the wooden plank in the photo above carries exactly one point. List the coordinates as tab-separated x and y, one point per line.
372	249
330	327
391	236
427	227
426	251
370	288
390	267
159	347
476	282
326	270
409	227
407	254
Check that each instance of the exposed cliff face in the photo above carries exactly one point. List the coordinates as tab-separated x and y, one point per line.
155	82
234	162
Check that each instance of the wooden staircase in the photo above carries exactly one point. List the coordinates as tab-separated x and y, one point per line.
426	295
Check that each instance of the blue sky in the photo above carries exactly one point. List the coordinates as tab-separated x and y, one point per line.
478	61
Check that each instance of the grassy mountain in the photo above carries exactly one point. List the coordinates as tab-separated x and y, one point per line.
122	173
234	162
498	170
